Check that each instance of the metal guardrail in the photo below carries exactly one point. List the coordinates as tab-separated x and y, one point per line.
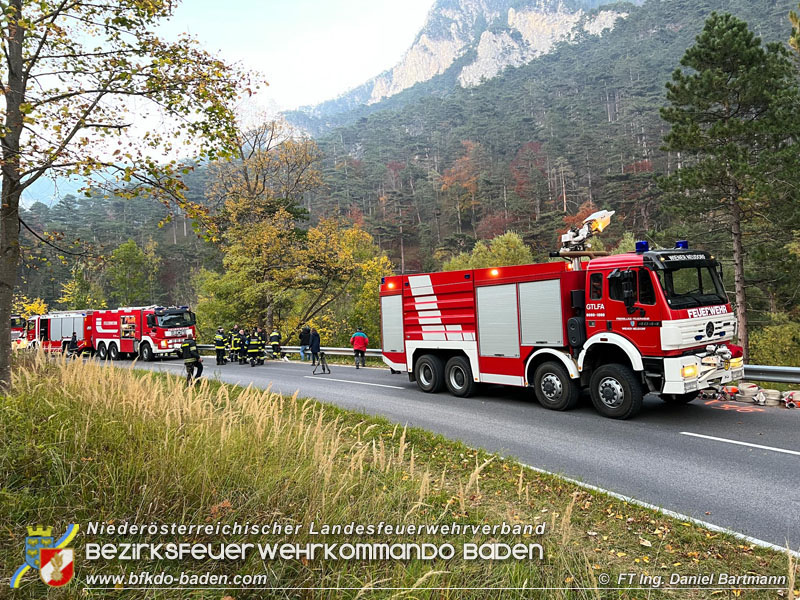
772	374
753	372
374	352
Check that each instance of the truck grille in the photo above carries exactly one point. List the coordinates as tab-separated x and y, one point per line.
686	333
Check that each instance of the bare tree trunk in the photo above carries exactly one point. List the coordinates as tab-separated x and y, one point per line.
402	252
738	278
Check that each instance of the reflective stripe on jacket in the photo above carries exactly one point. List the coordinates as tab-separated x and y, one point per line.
189	351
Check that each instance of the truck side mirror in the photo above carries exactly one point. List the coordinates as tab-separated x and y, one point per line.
628	288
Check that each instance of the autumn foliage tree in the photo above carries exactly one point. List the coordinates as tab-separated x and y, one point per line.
271	169
72	73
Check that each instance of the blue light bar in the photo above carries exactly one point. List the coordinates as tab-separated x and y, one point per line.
642	247
682	244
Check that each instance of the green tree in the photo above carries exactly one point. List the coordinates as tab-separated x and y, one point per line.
502	251
70	73
127	275
733	116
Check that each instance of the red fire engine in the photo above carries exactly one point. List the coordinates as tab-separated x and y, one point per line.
651	321
144	331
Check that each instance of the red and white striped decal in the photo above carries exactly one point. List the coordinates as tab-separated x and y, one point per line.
426	305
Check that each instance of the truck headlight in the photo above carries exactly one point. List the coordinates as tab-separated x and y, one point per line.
689	371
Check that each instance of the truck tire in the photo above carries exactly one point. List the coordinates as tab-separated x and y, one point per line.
102	353
146	352
553	387
113	352
679	398
430	373
458	377
616	392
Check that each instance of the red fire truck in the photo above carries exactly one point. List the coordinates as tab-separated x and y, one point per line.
144	331
653	321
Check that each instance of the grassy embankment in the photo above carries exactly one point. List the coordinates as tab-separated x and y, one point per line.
82	442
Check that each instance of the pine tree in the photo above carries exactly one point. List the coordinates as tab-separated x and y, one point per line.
733	116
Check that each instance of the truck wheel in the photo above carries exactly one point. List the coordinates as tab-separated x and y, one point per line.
101	351
458	377
146	352
616	392
430	374
679	398
553	387
113	352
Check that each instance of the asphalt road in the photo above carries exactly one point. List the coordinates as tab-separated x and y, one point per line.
750	490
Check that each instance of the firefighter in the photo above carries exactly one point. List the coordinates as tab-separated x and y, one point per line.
234	352
191	359
262	336
241	340
220	341
275	342
254	349
234	344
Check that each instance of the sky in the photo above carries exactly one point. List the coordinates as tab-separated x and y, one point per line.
308	50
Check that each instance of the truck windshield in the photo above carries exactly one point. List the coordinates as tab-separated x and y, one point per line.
692	286
17	322
177	319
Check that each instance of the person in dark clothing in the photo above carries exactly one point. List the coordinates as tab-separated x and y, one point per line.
275	341
191	359
242	344
72	347
234	348
219	346
254	349
305	340
262	338
314	346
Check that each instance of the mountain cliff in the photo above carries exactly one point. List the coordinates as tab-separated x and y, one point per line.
466	42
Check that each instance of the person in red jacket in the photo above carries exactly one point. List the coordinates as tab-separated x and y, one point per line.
359	341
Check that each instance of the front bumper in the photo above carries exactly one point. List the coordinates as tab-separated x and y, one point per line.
167	346
686	374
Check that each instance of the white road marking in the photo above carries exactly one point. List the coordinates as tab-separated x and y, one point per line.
394	387
727	441
670	513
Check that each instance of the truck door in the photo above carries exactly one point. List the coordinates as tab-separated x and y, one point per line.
632	303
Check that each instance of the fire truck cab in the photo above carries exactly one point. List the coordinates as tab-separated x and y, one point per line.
18	332
621	326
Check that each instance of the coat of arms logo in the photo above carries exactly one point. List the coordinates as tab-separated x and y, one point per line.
50	556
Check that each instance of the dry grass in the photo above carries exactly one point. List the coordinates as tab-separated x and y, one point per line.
86	442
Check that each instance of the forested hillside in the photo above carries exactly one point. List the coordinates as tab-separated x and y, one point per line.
431	171
523	151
